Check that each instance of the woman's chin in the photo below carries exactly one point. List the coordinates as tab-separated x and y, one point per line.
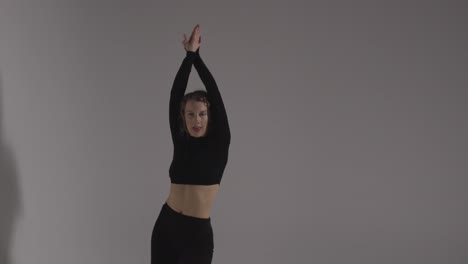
196	135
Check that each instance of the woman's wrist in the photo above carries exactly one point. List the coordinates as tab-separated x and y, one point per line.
191	55
197	52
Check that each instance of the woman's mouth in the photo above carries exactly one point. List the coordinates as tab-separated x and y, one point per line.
196	129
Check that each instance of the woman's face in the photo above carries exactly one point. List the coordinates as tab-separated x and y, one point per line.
196	118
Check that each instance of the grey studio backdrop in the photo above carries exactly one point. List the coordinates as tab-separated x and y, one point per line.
348	122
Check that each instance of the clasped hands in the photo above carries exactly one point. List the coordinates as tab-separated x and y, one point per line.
193	43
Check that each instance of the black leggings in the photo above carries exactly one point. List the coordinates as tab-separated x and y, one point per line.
181	239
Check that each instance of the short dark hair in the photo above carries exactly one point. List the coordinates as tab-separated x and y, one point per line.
199	96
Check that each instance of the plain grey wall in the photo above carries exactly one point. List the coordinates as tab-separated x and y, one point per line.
348	122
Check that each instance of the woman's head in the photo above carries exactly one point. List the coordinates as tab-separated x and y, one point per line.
195	112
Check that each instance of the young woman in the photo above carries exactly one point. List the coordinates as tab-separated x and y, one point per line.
201	137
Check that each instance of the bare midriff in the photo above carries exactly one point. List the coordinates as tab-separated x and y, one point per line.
192	200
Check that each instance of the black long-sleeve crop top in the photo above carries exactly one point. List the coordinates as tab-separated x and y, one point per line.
202	160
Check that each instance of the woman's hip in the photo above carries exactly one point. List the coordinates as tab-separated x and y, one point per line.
183	230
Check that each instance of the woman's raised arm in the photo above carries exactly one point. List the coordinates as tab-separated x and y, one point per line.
217	109
179	85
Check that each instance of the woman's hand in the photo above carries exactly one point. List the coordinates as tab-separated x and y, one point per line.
193	43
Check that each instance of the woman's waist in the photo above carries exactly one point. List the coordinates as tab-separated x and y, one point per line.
194	191
194	200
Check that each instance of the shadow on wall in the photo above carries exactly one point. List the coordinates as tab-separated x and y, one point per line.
9	192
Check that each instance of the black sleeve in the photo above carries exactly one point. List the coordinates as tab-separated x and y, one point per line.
217	109
177	93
